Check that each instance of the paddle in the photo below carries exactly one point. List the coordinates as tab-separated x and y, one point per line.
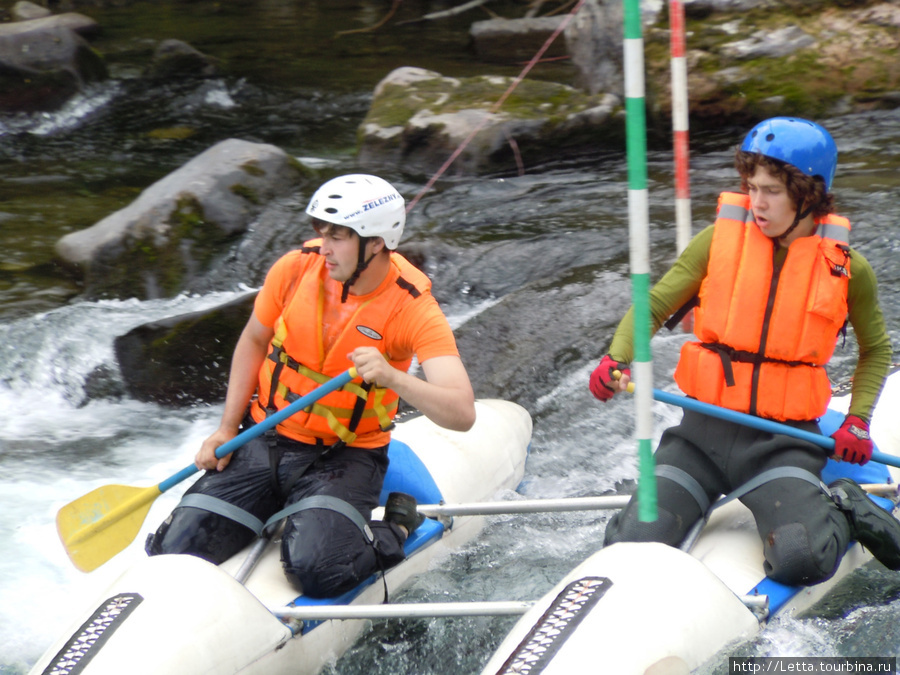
759	423
95	527
755	422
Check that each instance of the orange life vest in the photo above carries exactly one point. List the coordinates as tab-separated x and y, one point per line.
765	335
359	414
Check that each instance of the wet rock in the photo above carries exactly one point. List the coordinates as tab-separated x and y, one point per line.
176	59
511	353
23	11
419	118
515	40
183	359
594	39
703	8
769	44
45	61
104	382
182	226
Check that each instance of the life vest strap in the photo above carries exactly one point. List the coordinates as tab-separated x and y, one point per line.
346	434
728	355
682	312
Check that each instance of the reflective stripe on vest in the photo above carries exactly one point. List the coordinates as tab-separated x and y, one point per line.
766	333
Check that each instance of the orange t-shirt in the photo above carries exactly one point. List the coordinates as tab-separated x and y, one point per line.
420	328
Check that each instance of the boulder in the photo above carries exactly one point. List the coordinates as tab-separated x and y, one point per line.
740	70
418	118
177	59
516	40
594	39
182	226
770	44
24	10
184	359
45	61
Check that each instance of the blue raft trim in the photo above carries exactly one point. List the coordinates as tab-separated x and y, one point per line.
872	472
406	473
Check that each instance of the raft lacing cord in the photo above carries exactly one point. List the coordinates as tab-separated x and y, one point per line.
766	476
494	108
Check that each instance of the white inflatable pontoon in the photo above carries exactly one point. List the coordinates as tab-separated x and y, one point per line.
650	609
179	615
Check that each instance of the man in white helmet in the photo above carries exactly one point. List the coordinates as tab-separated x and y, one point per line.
344	299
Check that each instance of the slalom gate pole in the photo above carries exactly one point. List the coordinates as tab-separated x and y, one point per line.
680	126
639	253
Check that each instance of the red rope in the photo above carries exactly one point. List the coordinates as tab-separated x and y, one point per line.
494	108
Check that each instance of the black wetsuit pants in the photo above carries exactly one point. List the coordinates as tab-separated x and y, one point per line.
804	534
321	549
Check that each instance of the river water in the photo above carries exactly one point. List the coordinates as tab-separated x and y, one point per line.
557	234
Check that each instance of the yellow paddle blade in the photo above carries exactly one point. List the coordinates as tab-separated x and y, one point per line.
95	527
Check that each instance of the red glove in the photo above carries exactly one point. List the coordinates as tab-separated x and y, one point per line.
602	383
852	442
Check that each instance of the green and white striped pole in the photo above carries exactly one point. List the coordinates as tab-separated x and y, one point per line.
639	245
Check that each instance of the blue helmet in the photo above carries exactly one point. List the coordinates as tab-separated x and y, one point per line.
797	142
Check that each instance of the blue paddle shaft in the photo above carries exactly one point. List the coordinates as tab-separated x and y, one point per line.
760	423
260	428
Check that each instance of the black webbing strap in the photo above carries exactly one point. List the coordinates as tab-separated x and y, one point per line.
682	312
223	508
729	355
685	480
247	519
766	476
324	502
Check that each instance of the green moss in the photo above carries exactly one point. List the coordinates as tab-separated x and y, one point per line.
157	264
302	170
532	99
253	168
799	79
172	133
246	192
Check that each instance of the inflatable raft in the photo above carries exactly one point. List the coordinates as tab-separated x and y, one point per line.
650	609
175	614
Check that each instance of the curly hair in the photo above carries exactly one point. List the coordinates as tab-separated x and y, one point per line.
805	191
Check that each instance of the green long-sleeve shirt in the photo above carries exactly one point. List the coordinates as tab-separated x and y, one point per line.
682	282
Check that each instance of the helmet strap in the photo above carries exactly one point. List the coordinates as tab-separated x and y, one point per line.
361	266
800	216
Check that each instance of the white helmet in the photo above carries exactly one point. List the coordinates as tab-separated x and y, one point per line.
368	205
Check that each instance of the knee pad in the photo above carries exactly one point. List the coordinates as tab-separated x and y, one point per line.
200	533
325	553
320	578
791	559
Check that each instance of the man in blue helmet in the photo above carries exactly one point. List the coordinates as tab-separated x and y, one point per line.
774	281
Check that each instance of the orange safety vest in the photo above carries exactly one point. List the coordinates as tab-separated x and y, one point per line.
765	335
360	414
